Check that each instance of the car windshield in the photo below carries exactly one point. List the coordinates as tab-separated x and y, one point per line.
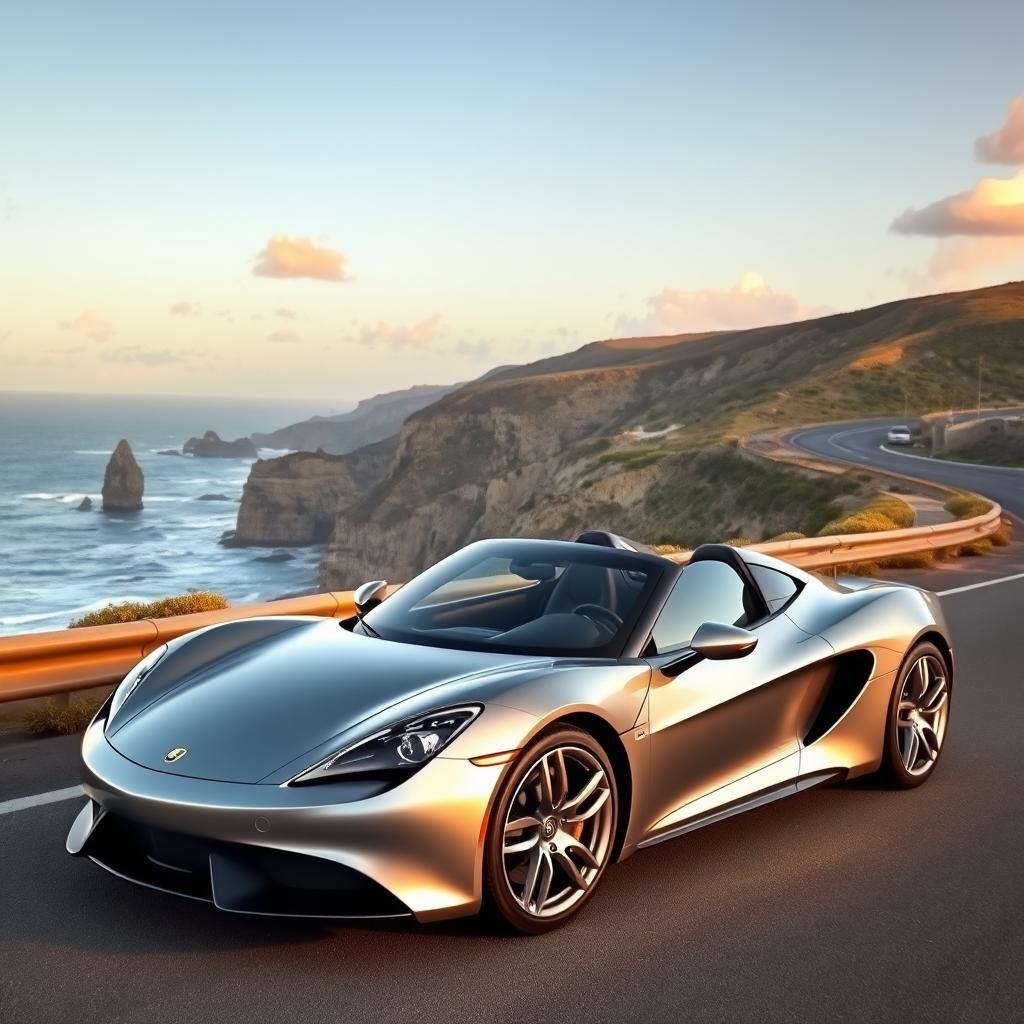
523	597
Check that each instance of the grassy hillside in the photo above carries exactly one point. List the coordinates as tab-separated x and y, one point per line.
552	447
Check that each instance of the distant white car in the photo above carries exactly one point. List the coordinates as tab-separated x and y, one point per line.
899	435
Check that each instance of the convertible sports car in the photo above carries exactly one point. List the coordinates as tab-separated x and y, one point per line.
500	729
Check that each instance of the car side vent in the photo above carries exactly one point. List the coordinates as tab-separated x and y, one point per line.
851	671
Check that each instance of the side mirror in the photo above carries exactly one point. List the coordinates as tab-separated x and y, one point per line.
719	642
369	595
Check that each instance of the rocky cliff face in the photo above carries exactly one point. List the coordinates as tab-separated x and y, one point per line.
123	482
496	459
372	420
296	499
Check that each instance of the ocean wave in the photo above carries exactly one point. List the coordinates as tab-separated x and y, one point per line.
92	451
66	499
66	613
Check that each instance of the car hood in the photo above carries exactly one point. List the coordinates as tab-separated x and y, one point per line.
246	698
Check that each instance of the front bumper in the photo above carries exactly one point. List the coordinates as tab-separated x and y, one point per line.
311	850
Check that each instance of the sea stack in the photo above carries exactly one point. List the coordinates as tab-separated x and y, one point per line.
123	481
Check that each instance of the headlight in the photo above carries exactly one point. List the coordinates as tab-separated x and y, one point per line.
132	680
400	749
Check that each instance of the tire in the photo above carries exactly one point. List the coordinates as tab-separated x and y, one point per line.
561	837
918	718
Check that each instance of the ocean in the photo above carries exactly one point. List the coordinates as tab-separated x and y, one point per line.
57	563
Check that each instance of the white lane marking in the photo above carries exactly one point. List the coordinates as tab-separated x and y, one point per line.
24	802
978	586
951	462
833	443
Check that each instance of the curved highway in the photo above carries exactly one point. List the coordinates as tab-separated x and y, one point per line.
862	444
852	903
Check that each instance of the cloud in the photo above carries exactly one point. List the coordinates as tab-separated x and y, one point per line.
185	309
300	257
957	262
284	336
91	323
1005	146
399	336
993	208
751	302
286	314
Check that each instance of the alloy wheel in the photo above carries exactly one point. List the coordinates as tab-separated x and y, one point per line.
922	714
558	831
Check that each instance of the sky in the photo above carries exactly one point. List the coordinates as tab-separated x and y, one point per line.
329	200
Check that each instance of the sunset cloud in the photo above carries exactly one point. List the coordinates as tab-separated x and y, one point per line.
1005	146
993	208
399	336
751	302
284	336
90	323
186	309
300	257
286	314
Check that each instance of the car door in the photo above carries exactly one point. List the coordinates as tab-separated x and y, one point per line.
723	730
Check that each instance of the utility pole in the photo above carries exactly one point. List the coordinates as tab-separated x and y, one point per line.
979	386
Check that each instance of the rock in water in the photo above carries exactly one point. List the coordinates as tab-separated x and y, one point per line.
85	505
212	446
123	482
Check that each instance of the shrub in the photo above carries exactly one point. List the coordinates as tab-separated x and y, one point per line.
895	508
883	512
1001	537
61	720
863	521
738	542
920	560
981	546
667	549
788	535
134	611
967	506
869	569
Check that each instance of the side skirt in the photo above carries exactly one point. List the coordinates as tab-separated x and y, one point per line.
766	796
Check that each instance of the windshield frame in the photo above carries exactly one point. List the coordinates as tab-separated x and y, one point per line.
656	569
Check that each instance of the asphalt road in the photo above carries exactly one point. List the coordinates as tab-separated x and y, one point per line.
850	903
861	444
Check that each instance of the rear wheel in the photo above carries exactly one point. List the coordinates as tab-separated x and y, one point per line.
918	718
552	831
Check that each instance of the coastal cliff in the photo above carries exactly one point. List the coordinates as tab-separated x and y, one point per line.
372	420
296	499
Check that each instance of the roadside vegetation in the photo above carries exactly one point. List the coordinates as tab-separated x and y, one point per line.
967	506
135	611
55	719
883	512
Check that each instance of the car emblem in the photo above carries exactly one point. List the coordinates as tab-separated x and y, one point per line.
176	754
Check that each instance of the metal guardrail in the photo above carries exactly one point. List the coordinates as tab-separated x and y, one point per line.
45	664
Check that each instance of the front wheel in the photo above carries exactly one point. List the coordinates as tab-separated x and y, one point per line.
552	831
918	718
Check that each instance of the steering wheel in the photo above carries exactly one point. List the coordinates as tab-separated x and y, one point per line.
603	618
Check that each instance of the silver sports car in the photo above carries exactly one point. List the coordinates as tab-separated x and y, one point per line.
500	729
